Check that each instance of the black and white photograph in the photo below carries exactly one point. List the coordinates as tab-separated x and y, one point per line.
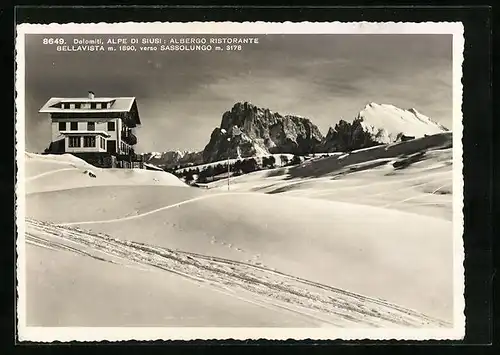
239	181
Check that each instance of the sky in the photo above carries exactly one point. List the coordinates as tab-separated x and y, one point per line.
182	96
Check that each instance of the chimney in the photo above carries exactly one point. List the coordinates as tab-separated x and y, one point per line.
91	94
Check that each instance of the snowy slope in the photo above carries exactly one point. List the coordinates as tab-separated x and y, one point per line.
283	294
377	176
337	244
345	225
96	290
60	172
394	120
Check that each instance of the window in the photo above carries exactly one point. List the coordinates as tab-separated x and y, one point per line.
62	126
63	105
78	105
72	106
91	126
103	143
92	105
74	142
111	126
85	105
89	141
98	105
74	126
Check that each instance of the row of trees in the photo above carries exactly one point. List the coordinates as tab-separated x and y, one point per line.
240	167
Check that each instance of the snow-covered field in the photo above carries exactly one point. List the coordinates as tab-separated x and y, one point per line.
365	177
345	241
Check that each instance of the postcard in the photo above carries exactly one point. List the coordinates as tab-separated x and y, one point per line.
222	180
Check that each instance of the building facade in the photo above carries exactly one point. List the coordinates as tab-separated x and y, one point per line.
99	130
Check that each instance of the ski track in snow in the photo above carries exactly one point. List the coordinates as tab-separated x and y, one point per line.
416	197
31	178
267	287
373	184
126	218
384	193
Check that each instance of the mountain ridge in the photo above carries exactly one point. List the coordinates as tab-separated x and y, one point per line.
248	130
172	159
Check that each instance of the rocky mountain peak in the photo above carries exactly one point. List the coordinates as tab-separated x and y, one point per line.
262	132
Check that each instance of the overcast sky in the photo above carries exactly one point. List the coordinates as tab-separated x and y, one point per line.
182	95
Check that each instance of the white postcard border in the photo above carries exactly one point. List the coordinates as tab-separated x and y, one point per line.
66	334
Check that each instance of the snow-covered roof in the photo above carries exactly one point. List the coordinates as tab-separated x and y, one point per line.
117	104
92	133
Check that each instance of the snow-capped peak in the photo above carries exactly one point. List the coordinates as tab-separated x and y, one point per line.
395	121
371	104
156	154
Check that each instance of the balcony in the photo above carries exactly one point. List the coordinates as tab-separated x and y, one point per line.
128	137
131	157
